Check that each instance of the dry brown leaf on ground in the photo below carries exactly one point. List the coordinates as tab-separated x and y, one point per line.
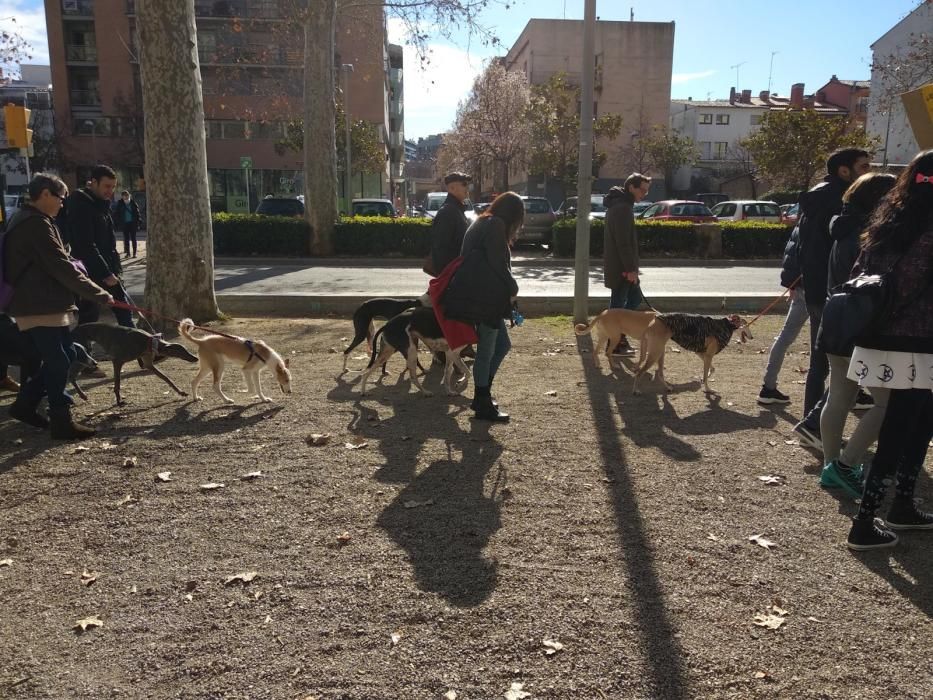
130	462
790	442
515	692
164	476
551	647
107	446
318	439
772	443
418	504
212	486
18	441
80	448
772	479
343	539
88	577
355	444
6	562
249	476
127	499
450	695
88	622
713	537
550	393
244	577
770	621
762	541
395	637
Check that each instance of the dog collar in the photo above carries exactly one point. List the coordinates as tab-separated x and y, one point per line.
154	342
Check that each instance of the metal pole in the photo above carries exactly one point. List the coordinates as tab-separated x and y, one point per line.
347	69
887	135
581	288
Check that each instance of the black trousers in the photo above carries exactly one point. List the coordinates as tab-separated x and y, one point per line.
129	236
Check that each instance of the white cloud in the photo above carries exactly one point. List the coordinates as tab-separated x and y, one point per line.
678	78
29	24
434	87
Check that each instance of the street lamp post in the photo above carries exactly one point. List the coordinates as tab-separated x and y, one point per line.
581	288
347	69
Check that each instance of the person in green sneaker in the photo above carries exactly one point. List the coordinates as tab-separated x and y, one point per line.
843	467
899	354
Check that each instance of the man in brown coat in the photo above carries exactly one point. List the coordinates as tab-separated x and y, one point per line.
620	248
45	283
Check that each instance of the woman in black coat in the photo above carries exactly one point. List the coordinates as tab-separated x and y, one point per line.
482	291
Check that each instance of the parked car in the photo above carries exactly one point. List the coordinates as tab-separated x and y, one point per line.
480	207
372	207
789	216
12	204
597	208
539	219
679	210
748	210
434	201
711	199
281	206
640	208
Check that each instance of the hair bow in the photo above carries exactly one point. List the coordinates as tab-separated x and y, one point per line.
924	178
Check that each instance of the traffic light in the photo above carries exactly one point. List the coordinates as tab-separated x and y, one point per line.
18	133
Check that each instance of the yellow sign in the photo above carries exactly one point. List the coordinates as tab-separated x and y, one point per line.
919	106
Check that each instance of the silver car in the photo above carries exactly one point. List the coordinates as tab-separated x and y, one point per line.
539	219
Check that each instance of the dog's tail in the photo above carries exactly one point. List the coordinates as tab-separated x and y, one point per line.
372	360
584	328
185	328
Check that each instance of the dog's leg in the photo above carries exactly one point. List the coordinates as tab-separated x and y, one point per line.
117	367
659	375
218	370
203	371
384	354
147	360
258	377
78	389
455	361
654	351
412	361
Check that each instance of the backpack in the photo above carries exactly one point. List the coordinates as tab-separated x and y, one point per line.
7	286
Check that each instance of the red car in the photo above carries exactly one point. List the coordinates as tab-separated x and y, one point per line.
679	210
790	215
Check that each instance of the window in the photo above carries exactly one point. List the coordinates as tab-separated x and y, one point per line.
722	119
756	119
725	209
234	130
537	206
652	211
719	153
705	150
214	129
706	118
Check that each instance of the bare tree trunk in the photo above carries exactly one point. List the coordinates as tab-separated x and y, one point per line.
180	254
320	151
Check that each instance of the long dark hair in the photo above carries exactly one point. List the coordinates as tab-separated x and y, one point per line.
509	207
906	211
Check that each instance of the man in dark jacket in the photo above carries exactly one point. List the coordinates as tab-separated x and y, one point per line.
90	232
45	283
817	208
126	219
620	249
450	223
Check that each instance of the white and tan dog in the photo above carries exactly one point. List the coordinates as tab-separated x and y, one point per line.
252	356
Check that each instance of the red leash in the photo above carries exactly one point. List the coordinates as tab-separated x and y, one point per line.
771	305
150	312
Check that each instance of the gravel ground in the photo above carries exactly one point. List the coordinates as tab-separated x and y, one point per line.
596	547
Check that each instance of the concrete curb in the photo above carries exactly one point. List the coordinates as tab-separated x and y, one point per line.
308	305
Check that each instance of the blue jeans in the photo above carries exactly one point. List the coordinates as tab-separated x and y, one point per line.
626	296
57	351
492	347
793	324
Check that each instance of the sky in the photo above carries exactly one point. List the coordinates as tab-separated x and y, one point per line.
814	40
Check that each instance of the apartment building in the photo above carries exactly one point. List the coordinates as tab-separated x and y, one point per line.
634	61
251	57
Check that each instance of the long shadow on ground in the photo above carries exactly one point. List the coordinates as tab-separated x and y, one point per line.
663	653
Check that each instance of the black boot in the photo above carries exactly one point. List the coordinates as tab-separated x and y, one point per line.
485	409
64	426
475	404
26	411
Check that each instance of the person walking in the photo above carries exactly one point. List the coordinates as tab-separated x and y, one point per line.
843	467
45	282
91	234
817	208
899	354
620	248
128	219
482	291
450	222
793	323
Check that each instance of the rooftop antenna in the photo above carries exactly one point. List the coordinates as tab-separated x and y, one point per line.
736	66
771	70
565	9
631	14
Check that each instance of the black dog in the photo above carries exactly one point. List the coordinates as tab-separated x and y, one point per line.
127	344
15	349
382	307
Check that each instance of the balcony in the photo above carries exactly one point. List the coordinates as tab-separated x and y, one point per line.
85	98
250	55
254	9
81	54
77	8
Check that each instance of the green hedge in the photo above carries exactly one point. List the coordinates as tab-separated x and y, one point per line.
251	234
741	239
380	236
